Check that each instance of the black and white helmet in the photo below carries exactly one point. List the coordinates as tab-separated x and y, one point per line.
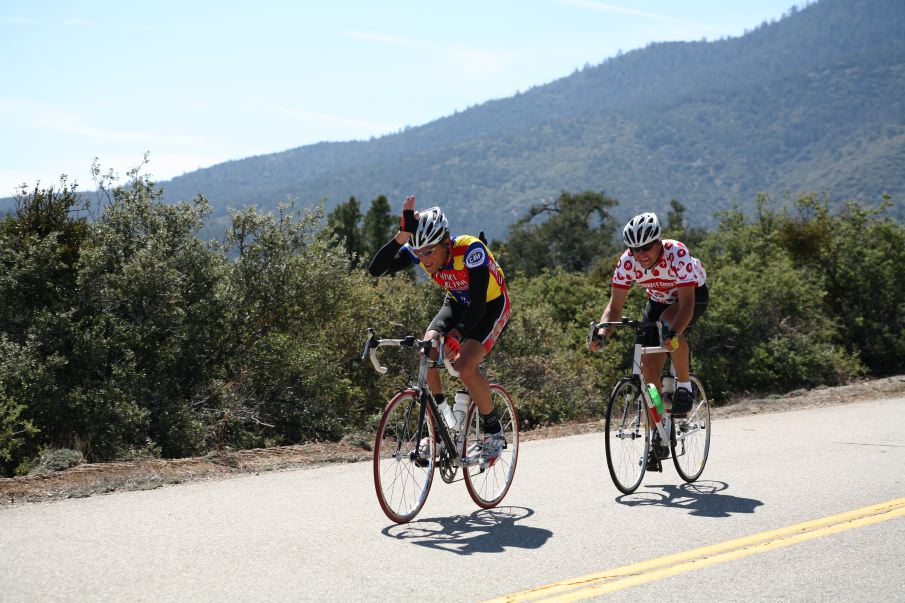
432	227
641	230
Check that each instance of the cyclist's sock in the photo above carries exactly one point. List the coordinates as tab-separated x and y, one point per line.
492	422
685	384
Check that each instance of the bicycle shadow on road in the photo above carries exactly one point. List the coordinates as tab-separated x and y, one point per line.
700	498
484	531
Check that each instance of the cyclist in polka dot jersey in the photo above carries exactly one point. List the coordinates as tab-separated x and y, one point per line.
676	285
675	268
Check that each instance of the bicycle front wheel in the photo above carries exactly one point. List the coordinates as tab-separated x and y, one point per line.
691	439
402	473
488	480
627	435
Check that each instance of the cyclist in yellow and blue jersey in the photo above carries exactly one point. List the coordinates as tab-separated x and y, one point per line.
475	310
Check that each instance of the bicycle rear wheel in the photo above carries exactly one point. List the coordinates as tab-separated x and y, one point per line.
627	435
402	477
488	481
691	436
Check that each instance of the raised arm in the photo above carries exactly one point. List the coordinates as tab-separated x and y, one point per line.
389	258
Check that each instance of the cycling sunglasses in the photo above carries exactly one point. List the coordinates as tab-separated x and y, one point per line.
644	248
426	251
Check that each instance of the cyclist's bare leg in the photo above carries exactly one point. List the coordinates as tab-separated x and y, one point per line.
679	359
652	367
679	356
470	357
433	375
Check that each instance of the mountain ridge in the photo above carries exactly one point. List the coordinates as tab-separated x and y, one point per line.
807	103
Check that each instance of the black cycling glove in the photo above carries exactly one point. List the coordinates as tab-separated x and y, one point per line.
409	223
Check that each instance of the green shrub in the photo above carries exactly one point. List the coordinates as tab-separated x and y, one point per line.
130	337
56	459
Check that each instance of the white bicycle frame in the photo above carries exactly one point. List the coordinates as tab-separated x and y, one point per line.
663	425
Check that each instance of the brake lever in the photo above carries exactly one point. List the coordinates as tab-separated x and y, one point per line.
442	358
367	349
592	334
370	351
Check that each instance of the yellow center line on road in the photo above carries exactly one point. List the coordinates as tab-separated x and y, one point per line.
593	585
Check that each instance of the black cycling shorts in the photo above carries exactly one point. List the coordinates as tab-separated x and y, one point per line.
488	329
648	337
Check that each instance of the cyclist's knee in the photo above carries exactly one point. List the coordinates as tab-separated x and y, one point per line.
467	368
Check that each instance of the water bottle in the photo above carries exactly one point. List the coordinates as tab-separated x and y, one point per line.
658	402
461	407
668	389
448	416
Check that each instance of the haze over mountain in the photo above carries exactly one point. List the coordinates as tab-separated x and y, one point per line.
810	103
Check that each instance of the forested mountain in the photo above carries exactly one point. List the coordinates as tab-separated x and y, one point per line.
810	103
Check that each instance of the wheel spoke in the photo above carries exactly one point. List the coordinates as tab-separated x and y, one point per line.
488	482
401	484
692	444
626	436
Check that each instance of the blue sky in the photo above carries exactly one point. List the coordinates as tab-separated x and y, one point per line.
196	83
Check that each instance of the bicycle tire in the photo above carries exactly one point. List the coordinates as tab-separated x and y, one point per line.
627	435
488	483
402	485
690	441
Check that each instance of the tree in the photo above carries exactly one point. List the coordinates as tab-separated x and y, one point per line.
577	234
343	223
379	225
40	248
676	227
856	255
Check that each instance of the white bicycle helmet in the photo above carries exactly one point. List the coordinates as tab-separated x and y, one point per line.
641	230
432	227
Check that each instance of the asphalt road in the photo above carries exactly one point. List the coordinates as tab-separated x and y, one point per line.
319	534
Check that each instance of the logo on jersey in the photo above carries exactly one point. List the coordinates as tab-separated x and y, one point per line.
475	258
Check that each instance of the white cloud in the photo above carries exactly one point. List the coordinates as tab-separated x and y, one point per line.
49	118
381	38
160	167
74	141
88	24
18	20
64	123
480	62
600	6
79	22
471	60
325	119
45	174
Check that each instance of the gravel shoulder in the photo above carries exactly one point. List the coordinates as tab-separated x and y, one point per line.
99	478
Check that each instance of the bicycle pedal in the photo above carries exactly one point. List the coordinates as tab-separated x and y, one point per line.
654	464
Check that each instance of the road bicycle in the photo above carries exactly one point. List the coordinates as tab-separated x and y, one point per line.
415	435
639	422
